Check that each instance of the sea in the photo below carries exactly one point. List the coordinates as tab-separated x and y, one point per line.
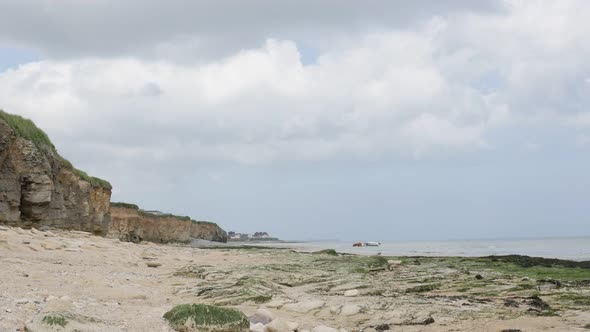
577	248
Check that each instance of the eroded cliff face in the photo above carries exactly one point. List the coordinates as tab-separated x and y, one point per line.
130	224
36	189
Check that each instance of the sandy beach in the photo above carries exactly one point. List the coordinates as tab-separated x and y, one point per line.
103	284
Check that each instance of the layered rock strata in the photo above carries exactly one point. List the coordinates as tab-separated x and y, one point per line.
39	188
129	223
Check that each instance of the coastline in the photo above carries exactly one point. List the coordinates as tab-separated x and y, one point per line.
572	248
106	285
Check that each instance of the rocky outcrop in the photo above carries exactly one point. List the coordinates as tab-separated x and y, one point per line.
40	188
129	223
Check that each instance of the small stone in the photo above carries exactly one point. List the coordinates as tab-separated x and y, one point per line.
26	242
478	276
335	309
153	264
8	310
351	292
350	310
262	316
21	301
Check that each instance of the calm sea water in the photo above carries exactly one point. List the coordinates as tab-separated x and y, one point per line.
564	248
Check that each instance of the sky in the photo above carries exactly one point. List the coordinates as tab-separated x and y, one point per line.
333	119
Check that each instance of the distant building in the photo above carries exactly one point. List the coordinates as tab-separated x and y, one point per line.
260	235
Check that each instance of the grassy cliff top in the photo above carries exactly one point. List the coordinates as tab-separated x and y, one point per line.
27	129
149	214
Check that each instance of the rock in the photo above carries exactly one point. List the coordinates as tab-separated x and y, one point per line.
128	223
8	310
369	329
21	301
536	302
335	309
293	326
262	316
478	276
352	292
26	242
511	303
206	318
278	325
39	187
392	264
153	264
258	327
420	320
350	310
525	279
304	307
323	328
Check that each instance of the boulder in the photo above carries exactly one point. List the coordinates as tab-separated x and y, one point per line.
206	318
262	316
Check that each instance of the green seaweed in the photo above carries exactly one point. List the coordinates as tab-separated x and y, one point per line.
52	320
203	315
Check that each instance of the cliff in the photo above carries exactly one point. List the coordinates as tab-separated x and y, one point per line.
40	188
129	223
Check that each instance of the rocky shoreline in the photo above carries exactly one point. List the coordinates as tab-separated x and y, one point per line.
90	283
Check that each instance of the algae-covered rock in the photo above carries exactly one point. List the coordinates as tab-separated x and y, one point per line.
206	318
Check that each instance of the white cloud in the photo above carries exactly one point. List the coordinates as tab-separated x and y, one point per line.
439	86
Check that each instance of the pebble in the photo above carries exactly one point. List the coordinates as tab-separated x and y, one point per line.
22	301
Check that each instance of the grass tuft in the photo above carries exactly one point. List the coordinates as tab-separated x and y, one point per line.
52	320
27	130
124	205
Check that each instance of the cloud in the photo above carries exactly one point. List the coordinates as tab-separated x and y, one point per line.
439	85
187	30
